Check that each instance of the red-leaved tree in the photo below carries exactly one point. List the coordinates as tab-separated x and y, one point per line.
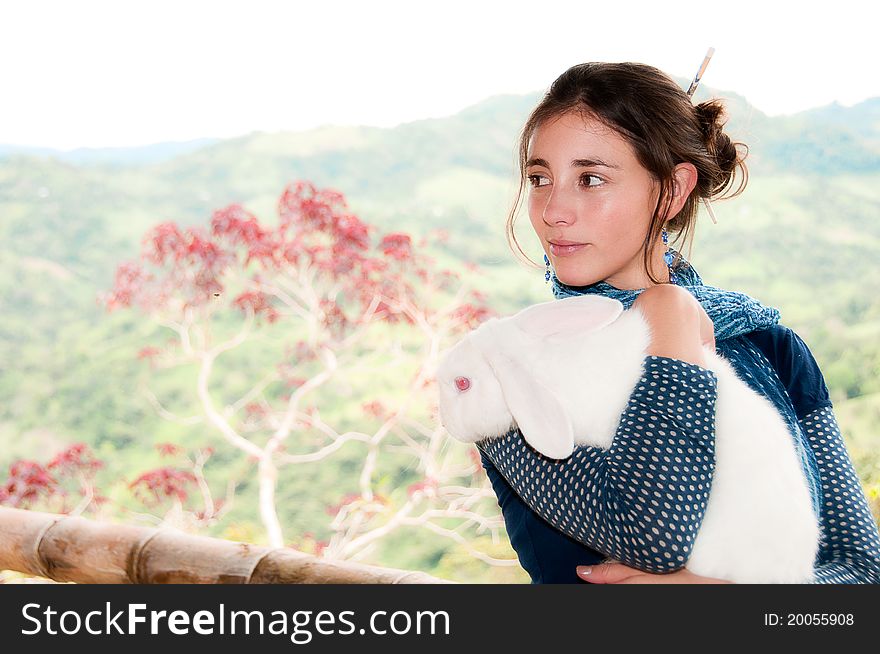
68	477
179	490
66	484
316	273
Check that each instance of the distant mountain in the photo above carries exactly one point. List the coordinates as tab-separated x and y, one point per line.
864	116
460	170
823	139
830	139
135	155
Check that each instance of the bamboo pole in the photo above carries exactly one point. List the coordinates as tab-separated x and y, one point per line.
69	548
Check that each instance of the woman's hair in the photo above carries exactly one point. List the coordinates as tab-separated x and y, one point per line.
657	118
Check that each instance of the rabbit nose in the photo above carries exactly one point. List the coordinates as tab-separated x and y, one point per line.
462	383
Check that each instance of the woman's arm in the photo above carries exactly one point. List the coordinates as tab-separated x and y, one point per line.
548	555
850	543
642	500
850	548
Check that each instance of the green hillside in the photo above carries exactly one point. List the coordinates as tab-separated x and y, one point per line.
805	238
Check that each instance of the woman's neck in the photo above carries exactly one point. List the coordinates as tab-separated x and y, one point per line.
634	277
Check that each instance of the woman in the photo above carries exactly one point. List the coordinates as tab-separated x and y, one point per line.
616	157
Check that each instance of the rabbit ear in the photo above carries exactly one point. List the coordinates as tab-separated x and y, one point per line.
578	314
536	409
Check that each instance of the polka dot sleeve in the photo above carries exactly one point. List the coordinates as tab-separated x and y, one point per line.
849	551
642	500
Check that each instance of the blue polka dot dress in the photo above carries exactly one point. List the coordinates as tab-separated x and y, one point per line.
849	549
641	502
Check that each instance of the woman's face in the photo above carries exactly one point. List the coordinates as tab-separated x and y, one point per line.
586	186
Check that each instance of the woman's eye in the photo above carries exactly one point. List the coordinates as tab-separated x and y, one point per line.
535	180
585	179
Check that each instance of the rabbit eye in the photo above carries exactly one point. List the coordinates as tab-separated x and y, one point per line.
462	383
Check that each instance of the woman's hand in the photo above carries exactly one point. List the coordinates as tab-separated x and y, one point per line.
679	325
612	572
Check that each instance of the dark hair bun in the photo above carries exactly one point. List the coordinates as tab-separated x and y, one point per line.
712	117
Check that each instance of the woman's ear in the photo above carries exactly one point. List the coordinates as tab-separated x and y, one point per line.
684	181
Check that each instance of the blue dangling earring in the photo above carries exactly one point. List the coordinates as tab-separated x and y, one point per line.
546	272
668	257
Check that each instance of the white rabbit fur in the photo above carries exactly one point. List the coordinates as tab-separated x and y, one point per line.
563	371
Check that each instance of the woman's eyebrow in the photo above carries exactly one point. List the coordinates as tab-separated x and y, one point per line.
576	163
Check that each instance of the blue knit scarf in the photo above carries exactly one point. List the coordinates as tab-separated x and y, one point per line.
734	315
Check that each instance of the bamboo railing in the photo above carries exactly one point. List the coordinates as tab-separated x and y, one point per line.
68	548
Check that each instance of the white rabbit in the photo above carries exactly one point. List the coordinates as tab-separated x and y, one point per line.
563	371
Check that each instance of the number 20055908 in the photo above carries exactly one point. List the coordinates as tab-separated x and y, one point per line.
808	619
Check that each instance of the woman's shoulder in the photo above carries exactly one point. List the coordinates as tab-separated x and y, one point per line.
796	366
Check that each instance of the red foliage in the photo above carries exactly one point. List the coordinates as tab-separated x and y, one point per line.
28	481
301	352
350	498
397	246
237	224
254	409
333	318
154	486
148	352
204	514
310	544
240	227
294	382
76	458
371	506
375	409
165	241
316	234
351	233
301	204
470	316
168	449
258	302
428	485
130	278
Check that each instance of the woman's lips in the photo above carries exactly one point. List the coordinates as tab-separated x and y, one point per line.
565	250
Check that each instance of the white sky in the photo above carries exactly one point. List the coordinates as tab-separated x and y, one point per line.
93	73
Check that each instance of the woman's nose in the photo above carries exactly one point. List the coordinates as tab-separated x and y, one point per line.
559	208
